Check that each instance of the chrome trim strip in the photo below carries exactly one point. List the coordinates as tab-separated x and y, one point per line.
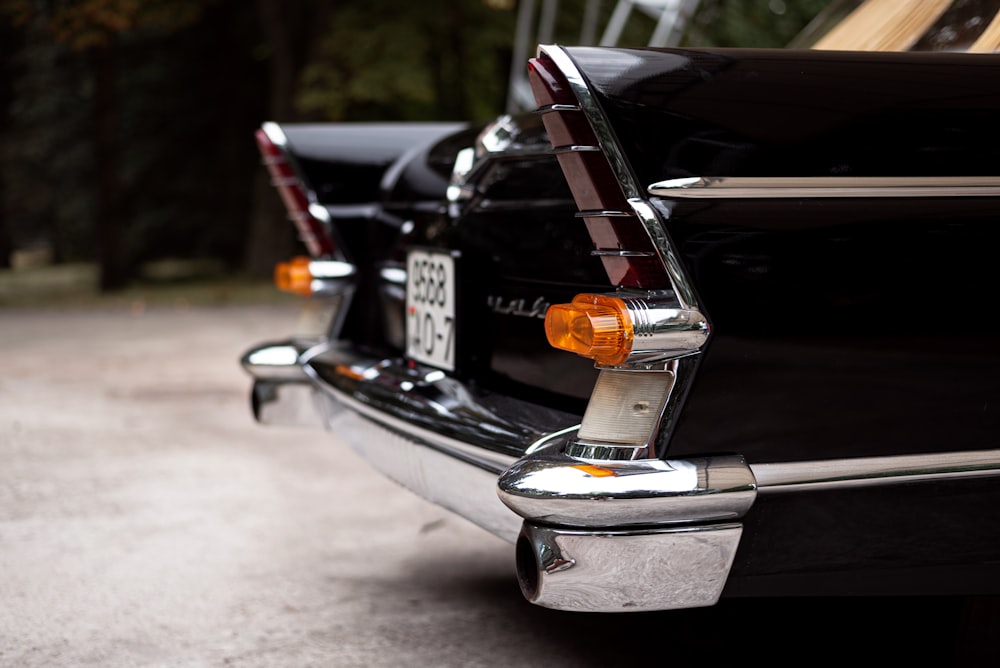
683	287
522	204
602	128
576	149
827	186
872	471
557	107
604	213
621	253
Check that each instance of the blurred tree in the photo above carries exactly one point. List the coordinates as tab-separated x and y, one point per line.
288	29
127	124
750	23
96	28
438	59
360	60
46	154
9	44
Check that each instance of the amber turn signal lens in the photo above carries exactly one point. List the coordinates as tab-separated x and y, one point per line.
594	326
294	276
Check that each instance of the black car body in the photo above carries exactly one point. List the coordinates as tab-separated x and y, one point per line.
782	262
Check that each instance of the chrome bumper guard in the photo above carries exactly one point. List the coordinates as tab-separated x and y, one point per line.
601	536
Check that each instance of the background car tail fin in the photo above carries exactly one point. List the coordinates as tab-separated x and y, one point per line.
307	215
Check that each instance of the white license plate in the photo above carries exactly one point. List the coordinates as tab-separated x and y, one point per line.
430	308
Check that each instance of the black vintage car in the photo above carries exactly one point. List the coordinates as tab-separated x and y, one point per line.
709	323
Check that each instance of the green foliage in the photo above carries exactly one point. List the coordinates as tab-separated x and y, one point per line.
750	23
382	59
85	24
188	100
193	78
46	157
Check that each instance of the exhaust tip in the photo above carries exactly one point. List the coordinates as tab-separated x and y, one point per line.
527	567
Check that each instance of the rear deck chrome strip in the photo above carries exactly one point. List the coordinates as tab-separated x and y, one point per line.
872	471
714	187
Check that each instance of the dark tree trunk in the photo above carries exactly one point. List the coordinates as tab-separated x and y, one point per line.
269	240
9	42
113	268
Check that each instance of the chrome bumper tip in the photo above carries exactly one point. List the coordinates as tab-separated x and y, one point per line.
552	488
590	535
282	392
626	536
655	569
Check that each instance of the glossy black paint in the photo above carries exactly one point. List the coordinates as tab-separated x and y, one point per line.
520	248
841	327
518	242
680	113
958	27
344	163
931	538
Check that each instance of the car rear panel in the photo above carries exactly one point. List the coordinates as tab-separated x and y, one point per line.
864	313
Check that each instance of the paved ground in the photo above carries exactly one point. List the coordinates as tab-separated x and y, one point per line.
145	520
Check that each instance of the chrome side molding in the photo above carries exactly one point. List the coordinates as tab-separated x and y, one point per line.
747	187
871	471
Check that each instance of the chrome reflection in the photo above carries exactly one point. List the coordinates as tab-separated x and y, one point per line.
667	336
630	416
710	187
276	361
287	403
870	471
662	331
426	465
502	138
418	398
552	488
282	393
621	571
331	269
275	134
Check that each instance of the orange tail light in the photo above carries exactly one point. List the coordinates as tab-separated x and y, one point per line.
594	326
294	276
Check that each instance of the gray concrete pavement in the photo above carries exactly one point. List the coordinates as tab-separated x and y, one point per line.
145	520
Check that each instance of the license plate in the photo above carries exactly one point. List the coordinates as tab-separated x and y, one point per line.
430	308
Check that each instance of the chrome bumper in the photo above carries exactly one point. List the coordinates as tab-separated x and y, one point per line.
591	536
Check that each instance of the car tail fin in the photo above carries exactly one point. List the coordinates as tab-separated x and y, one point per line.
309	217
620	240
